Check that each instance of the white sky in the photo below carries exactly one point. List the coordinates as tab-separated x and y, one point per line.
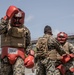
59	14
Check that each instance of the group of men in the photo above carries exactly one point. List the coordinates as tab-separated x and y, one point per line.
17	52
54	56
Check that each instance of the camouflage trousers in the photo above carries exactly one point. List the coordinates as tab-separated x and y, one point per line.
67	66
40	69
47	67
15	69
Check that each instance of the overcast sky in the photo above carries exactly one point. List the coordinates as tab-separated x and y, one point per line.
59	14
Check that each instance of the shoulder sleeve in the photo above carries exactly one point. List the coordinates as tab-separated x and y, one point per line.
71	48
37	43
27	36
3	26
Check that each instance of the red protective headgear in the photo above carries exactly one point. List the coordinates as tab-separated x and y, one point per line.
62	37
29	61
18	19
10	12
16	15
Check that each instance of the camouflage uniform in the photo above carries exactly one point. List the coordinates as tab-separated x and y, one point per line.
47	60
66	61
15	69
68	48
18	67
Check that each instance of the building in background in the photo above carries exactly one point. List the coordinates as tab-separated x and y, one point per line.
71	39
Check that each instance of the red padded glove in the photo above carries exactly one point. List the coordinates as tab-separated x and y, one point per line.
29	61
10	12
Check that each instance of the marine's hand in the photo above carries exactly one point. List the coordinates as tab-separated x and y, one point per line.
4	22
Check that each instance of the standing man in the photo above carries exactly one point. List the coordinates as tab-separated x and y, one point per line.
69	49
15	38
46	54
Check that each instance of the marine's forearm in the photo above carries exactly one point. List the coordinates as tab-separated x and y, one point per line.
3	26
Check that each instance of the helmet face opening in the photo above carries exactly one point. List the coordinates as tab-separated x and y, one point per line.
62	37
18	19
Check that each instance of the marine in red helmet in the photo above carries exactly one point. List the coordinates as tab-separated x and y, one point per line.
67	59
15	38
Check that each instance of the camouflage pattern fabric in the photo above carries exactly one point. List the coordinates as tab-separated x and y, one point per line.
18	67
44	56
3	26
50	67
15	69
67	66
52	44
69	48
40	69
47	67
5	67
